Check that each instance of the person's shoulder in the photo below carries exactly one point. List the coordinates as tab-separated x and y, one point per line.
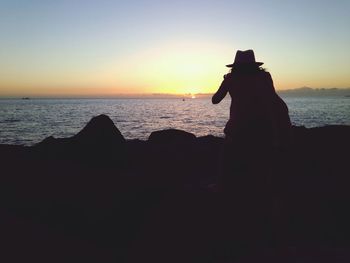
228	76
264	73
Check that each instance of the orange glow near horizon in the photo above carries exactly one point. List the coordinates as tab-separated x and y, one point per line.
169	68
182	68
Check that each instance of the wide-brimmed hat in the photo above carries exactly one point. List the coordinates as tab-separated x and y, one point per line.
245	57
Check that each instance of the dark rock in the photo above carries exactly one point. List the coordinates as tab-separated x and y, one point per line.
52	147
99	140
166	200
210	139
48	140
99	130
171	136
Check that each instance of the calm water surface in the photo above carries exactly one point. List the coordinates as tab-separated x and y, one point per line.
30	121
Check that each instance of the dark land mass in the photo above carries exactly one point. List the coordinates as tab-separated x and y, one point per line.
320	92
96	197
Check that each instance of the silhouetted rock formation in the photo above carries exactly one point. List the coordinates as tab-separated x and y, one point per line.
96	197
171	136
100	139
100	131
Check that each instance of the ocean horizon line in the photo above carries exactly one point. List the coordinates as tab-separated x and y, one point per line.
296	91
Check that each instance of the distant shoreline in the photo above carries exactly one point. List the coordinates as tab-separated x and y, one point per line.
304	91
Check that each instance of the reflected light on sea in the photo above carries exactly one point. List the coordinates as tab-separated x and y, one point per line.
30	121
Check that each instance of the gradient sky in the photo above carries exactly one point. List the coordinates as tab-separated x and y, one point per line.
94	48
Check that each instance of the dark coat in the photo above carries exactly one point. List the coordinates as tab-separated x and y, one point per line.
255	107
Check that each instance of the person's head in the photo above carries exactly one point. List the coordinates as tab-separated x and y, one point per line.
245	62
246	69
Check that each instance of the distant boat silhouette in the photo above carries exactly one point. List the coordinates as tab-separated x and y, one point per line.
25	98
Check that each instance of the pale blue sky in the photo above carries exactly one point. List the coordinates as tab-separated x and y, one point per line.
50	43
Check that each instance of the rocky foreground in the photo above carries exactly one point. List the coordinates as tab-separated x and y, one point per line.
96	197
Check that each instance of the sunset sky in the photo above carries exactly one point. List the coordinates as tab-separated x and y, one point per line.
104	48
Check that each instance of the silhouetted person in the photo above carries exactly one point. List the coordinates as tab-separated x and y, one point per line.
259	124
257	113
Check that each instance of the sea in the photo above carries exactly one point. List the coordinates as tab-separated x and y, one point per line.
29	121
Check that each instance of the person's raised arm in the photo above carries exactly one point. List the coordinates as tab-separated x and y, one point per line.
221	92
